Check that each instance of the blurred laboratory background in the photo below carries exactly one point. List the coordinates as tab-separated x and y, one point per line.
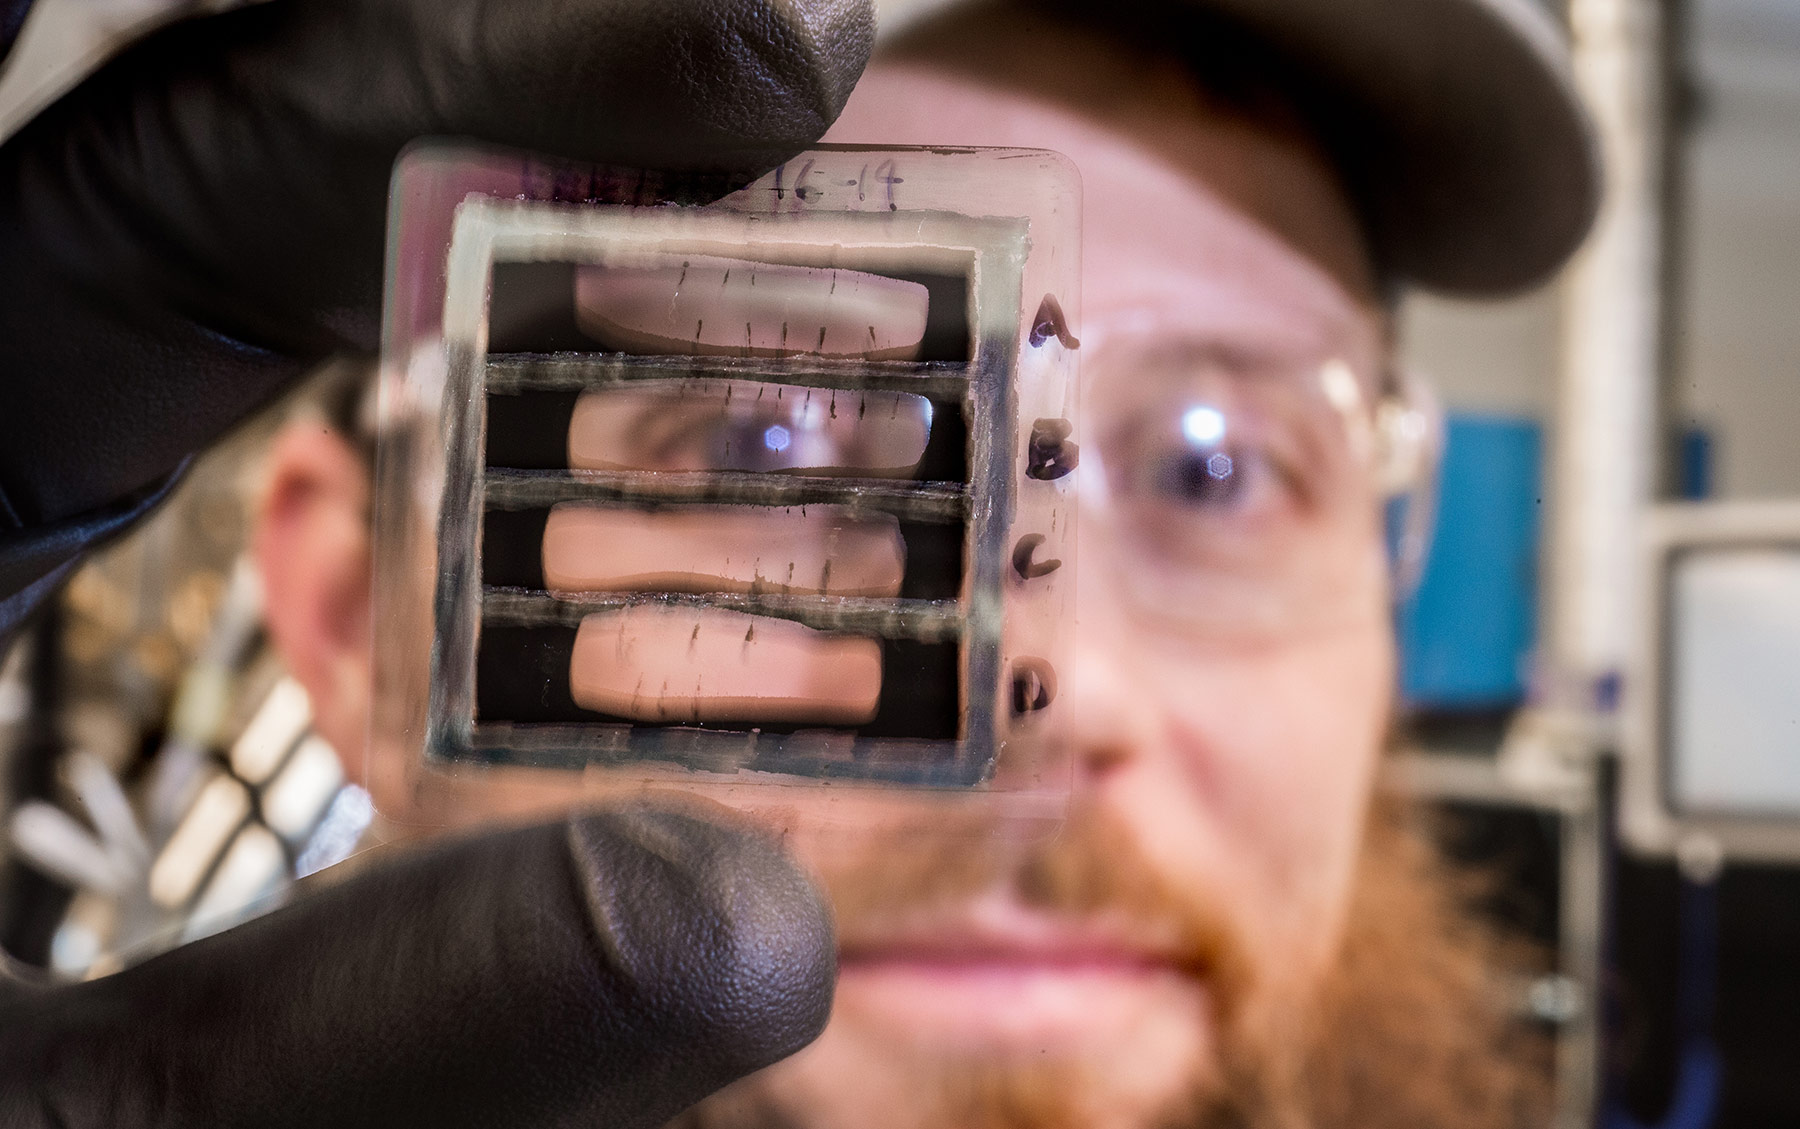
1589	706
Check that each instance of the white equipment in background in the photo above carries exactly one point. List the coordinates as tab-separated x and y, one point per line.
1712	712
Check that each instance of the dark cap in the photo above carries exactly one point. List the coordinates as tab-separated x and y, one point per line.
1456	121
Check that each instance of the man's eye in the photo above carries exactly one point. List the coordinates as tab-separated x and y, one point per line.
1200	478
745	426
1196	462
705	433
760	441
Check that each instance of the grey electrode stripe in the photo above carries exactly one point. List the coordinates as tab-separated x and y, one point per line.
821	753
512	373
942	502
926	621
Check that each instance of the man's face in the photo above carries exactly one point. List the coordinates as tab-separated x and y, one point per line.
1230	683
1224	755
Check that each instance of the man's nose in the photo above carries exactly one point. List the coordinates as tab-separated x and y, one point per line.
1107	722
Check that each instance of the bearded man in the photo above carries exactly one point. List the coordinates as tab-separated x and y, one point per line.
1230	929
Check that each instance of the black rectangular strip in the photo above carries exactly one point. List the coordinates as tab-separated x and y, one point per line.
530	431
512	553
532	308
522	675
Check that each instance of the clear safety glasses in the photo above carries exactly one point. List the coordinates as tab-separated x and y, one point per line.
1233	497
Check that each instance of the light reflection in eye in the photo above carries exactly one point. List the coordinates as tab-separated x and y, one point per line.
1203	425
776	438
1192	461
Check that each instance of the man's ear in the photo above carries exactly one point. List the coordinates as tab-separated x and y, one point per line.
311	545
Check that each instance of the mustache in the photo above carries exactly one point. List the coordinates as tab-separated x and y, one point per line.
1094	869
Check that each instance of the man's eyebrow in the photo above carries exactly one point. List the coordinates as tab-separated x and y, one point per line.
1187	351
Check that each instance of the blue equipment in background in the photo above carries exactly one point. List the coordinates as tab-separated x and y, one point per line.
1694	463
1467	633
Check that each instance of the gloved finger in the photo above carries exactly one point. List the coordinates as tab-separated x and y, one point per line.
203	215
611	970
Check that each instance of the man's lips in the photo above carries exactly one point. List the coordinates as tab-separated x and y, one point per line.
952	960
1007	978
998	934
1017	984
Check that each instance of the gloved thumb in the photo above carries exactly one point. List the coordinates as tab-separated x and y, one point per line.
609	970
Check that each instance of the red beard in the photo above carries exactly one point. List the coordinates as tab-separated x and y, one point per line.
1407	1029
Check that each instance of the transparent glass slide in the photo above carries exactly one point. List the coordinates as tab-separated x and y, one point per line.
760	483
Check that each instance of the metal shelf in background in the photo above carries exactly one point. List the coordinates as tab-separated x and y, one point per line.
1575	803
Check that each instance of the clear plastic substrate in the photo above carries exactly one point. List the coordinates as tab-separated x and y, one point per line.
774	487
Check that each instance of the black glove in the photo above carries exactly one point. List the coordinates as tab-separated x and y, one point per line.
609	971
188	229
